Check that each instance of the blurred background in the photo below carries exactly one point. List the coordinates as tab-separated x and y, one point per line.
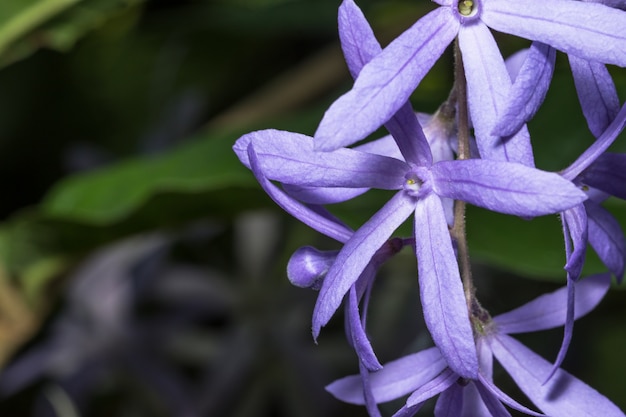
142	269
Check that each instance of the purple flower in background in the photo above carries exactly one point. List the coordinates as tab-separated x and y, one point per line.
590	31
425	374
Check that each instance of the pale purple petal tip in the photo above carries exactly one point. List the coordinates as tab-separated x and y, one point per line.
386	82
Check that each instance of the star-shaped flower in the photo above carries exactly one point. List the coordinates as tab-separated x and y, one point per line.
593	32
425	374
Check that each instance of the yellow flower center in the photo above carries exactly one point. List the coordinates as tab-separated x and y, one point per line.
466	7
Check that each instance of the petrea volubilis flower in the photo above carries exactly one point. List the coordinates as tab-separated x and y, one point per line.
590	31
425	374
505	187
509	188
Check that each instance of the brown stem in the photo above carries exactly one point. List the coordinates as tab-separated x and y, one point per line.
458	230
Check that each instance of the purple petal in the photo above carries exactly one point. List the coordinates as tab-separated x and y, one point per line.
356	254
409	136
394	380
568	328
450	402
607	174
387	81
441	290
359	47
358	42
308	266
514	63
587	30
563	395
385	146
596	92
548	311
492	402
529	89
408	411
488	86
370	402
323	195
606	238
598	148
494	390
433	387
289	158
473	405
575	231
306	215
505	187
360	341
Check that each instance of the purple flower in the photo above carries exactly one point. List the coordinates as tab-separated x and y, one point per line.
590	31
425	374
505	187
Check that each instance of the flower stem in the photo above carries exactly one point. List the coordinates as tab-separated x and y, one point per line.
463	152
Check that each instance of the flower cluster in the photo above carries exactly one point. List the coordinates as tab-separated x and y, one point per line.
435	168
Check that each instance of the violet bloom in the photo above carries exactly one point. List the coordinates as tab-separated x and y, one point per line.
505	187
425	374
590	31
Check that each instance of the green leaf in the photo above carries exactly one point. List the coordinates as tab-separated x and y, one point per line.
112	194
27	25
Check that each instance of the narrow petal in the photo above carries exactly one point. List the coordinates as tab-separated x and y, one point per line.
590	31
473	405
360	341
387	81
529	89
548	311
356	254
450	402
359	47
358	42
370	402
563	395
505	187
606	238
596	93
394	380
441	290
323	195
598	148
409	136
306	215
492	402
488	87
289	158
575	230
568	328
408	411
433	387
607	174
385	146
489	385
